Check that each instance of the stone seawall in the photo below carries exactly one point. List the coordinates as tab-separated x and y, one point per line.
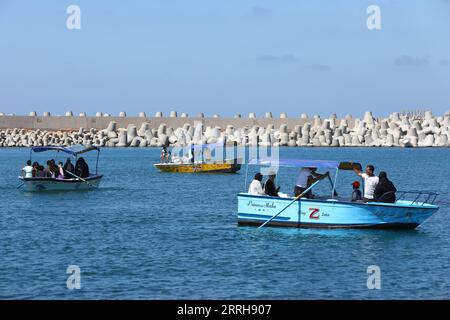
74	123
397	130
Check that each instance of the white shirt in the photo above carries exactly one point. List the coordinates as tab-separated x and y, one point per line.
255	188
28	171
370	183
302	180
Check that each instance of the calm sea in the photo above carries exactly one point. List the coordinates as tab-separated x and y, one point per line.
150	235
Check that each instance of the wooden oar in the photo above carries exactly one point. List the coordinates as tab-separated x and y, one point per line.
295	199
20	185
81	179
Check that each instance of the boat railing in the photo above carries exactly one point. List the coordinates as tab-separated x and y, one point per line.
416	197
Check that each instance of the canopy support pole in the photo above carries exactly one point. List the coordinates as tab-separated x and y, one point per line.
235	153
246	174
333	184
96	164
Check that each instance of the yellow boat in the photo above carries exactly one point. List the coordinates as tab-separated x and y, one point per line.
198	159
205	167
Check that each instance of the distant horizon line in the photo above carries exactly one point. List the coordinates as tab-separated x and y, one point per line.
248	115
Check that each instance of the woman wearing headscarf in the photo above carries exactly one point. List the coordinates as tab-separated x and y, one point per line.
269	188
385	189
81	168
68	167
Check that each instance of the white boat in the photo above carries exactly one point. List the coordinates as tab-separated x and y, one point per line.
54	184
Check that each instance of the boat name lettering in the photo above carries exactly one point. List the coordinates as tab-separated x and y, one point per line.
262	205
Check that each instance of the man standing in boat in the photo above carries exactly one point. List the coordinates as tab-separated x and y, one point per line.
164	154
370	182
306	178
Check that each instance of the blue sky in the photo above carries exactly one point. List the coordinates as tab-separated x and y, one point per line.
225	57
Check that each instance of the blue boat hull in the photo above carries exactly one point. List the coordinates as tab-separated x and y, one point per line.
313	213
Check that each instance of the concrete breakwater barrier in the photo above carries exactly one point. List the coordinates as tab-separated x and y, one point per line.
398	130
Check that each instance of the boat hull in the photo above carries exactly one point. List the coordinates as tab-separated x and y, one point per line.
313	213
199	167
51	184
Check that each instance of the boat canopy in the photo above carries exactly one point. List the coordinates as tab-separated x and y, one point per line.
297	163
204	146
74	150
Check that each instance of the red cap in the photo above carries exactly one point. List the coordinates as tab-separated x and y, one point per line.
356	184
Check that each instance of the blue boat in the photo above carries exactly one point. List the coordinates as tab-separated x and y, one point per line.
39	184
410	209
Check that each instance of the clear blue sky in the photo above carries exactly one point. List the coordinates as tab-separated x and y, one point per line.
224	57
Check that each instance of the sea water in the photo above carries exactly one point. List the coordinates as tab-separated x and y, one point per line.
150	235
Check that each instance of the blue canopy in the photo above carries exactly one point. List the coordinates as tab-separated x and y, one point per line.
74	150
297	163
294	163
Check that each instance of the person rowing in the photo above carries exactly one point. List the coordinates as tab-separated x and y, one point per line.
306	178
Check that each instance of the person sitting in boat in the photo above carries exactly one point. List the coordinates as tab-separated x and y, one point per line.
27	171
356	194
54	168
306	178
370	182
35	168
269	187
60	171
50	170
81	168
68	167
256	187
385	189
40	172
86	169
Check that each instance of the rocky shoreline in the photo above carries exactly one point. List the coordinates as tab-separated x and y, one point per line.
397	130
